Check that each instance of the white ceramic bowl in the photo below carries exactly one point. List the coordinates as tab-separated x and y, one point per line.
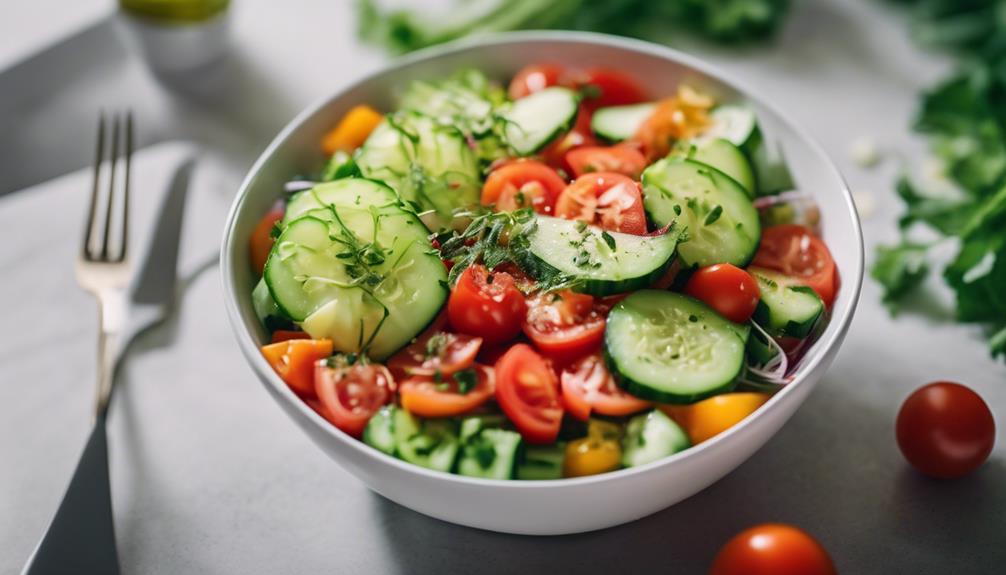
567	505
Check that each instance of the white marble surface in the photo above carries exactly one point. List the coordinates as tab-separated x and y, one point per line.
209	477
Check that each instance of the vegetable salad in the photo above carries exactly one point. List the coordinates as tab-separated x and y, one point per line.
560	277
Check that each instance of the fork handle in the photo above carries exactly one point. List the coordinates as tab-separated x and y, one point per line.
81	537
111	312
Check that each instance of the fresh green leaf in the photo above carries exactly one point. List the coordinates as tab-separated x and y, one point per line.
900	269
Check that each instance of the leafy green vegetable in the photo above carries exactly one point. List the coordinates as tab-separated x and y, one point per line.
965	120
726	21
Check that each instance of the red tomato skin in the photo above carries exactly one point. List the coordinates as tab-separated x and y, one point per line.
503	182
538	422
621	159
534	78
616	88
772	549
795	251
578	136
587	387
945	430
492	310
726	288
568	329
333	387
606	199
260	243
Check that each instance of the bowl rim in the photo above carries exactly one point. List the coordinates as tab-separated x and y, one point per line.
822	348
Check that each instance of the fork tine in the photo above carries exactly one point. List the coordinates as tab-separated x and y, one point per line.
126	185
92	209
111	187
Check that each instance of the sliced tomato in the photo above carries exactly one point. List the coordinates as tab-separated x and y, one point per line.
528	392
587	387
565	325
281	335
535	78
293	360
426	397
796	252
620	159
605	199
727	289
261	240
579	135
433	353
352	394
523	184
486	304
609	87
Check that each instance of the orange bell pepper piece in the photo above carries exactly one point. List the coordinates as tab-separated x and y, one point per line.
350	133
294	359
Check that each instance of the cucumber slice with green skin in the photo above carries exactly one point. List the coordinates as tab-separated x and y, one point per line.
650	437
617	123
369	280
266	310
736	124
490	454
432	444
428	164
715	211
670	348
758	349
786	308
727	158
542	462
471	426
603	262
530	123
340	165
380	430
349	192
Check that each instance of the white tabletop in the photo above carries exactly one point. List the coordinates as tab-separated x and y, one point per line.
210	477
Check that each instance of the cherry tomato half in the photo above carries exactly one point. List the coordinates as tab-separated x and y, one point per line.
352	394
261	240
565	325
608	87
426	397
795	251
621	159
726	288
528	393
487	305
535	78
606	199
772	549
588	387
945	430
523	184
438	352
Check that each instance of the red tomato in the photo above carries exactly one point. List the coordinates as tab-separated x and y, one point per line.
565	325
945	430
281	335
621	159
795	251
588	386
579	135
522	184
606	199
528	393
772	549
351	395
535	78
436	352
727	289
261	240
426	397
486	304
608	87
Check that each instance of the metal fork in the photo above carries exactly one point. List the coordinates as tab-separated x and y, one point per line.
103	268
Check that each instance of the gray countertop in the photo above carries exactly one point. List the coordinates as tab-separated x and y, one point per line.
210	477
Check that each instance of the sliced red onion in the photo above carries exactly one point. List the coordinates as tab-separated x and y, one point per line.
775	370
294	186
785	197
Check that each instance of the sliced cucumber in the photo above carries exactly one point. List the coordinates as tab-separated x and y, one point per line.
736	124
714	210
490	454
472	425
652	436
759	350
533	121
340	165
466	99
432	444
266	310
727	158
380	430
349	192
369	279
428	164
671	348
771	170
603	262
542	462
617	123
785	308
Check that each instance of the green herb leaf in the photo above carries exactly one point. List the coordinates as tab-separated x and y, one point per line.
466	379
899	269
